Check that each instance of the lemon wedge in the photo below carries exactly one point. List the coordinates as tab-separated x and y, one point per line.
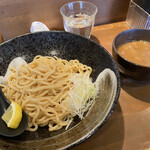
13	115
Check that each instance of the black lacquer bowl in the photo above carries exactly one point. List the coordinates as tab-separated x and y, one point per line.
67	46
135	78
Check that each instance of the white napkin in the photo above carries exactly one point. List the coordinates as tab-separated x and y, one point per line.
37	26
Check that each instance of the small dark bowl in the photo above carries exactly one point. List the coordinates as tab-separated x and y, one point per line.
135	78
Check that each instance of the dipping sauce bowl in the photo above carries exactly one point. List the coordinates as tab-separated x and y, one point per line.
135	77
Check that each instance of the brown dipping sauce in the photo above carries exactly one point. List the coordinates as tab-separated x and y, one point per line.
137	52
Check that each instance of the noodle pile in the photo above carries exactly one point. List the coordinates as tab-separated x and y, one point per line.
41	88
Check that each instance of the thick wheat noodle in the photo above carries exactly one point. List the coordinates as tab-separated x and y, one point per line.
41	87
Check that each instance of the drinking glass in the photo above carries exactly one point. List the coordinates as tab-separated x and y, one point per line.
79	17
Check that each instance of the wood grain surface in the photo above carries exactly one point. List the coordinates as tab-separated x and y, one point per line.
16	16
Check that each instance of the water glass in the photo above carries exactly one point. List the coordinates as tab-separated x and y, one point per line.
79	17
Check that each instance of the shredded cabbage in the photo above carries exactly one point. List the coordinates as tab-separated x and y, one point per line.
81	95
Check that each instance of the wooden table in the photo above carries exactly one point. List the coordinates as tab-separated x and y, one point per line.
129	126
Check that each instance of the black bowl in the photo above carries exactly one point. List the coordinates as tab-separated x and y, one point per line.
67	46
135	78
